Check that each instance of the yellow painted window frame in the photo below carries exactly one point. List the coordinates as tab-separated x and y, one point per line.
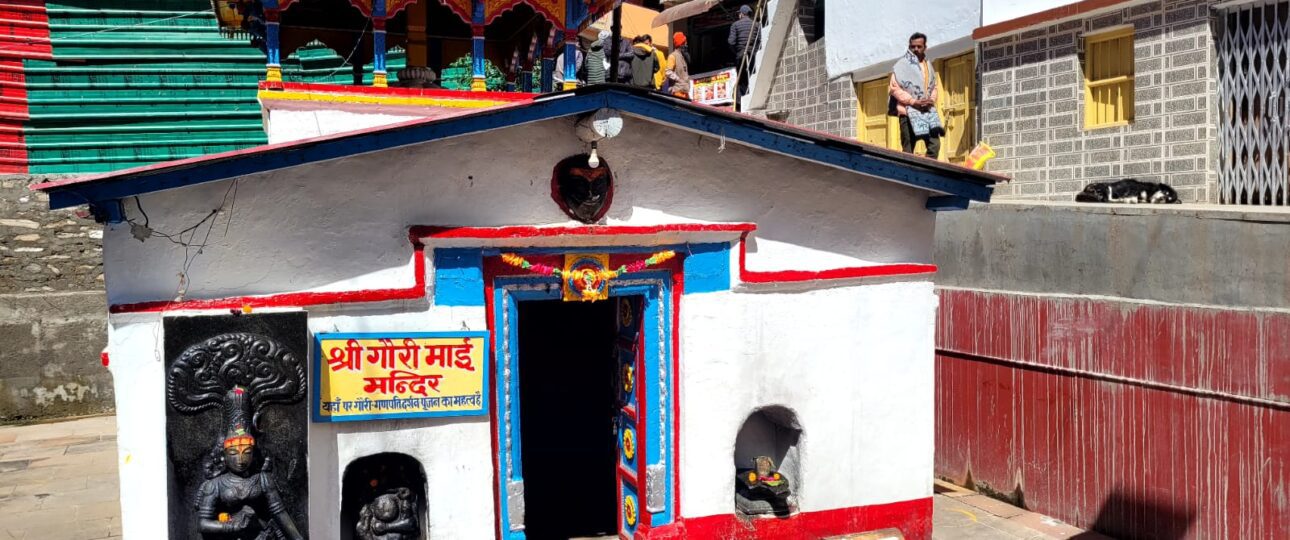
971	106
862	119
1093	60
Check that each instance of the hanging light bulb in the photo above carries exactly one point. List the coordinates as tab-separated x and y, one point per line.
594	160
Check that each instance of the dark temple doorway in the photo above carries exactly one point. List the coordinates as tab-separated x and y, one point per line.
567	409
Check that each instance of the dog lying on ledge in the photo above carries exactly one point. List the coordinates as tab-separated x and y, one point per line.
1129	191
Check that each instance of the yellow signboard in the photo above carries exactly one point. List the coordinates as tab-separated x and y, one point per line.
400	375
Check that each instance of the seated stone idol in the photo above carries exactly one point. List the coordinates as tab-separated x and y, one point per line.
762	489
392	516
239	500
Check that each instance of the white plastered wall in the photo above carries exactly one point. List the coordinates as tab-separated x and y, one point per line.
864	38
996	11
853	363
342	225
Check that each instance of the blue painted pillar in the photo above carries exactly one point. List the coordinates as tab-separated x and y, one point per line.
378	44
548	61
570	59
477	73
272	48
526	72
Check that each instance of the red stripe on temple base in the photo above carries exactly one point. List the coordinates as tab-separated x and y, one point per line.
912	518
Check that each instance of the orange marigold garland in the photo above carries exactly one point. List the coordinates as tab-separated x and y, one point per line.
606	274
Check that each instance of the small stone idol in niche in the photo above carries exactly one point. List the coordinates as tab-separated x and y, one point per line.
239	373
762	489
392	516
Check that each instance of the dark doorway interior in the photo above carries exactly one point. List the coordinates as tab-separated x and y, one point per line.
567	409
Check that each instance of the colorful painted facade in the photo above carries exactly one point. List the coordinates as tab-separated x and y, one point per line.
645	344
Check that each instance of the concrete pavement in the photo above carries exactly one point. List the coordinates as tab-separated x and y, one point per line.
59	481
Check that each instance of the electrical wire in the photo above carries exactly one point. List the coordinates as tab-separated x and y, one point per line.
30	41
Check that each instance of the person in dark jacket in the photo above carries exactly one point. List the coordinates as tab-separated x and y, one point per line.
644	64
743	43
595	61
625	61
741	35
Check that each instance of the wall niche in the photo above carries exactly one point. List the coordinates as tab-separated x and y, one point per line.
767	463
383	497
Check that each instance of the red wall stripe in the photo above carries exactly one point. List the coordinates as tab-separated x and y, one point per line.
418	291
796	276
1137	420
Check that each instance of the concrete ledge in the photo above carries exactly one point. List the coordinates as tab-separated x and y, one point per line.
1204	211
1190	254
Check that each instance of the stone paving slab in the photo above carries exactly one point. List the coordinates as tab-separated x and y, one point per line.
59	480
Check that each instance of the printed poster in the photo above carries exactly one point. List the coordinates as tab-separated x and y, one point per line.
715	87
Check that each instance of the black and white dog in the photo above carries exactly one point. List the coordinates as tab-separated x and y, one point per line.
1128	191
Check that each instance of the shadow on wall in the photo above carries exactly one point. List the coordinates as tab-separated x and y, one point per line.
1132	516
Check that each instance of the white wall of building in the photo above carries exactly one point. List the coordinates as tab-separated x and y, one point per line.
994	11
865	37
342	224
857	376
853	361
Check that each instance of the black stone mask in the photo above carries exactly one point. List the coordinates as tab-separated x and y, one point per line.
583	193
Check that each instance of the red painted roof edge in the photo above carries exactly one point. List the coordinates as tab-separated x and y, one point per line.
397	92
1034	19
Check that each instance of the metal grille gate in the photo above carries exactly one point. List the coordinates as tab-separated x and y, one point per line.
1253	74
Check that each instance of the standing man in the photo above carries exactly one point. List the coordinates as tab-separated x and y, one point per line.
913	98
743	44
659	60
678	67
644	64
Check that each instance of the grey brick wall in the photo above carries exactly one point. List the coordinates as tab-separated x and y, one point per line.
1032	106
802	89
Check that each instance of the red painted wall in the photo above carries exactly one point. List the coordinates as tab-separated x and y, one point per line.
1138	420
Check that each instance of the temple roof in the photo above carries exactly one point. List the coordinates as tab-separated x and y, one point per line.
950	186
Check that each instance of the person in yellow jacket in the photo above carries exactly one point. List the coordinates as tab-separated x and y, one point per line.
659	60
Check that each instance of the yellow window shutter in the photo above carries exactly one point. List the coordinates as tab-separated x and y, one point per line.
1108	79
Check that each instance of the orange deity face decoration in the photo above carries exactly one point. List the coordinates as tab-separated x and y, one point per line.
239	453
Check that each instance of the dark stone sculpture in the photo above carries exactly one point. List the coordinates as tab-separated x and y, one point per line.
582	191
762	489
392	516
232	486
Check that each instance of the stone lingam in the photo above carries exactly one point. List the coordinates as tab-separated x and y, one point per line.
762	489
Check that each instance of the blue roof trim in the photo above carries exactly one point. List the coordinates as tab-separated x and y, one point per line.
947	202
853	159
782	139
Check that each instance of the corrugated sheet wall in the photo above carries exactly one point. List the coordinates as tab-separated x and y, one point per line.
1141	420
24	34
132	82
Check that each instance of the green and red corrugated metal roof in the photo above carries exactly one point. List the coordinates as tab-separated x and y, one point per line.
100	85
